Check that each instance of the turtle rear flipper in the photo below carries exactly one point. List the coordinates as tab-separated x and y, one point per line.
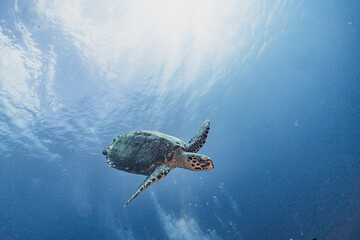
199	139
160	172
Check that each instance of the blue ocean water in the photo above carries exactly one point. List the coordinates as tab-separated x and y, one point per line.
279	80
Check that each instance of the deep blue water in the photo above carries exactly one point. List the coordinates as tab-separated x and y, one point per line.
279	80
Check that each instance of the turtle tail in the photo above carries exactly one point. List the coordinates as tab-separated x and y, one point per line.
104	152
199	139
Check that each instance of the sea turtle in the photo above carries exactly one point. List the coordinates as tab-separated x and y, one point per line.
155	154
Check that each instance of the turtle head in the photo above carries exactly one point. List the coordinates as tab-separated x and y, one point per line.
197	162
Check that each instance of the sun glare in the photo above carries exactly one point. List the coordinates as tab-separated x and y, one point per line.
171	42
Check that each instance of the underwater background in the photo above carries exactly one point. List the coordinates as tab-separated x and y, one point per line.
279	80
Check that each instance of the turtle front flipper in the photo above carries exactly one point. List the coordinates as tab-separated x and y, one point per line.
160	172
199	139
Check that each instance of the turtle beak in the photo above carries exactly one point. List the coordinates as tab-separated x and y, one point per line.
208	164
211	164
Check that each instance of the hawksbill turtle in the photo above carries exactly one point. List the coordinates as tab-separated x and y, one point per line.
155	154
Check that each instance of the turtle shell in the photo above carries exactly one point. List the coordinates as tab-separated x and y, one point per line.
140	151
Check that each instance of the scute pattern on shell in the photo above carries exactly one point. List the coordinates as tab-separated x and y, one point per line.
140	151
